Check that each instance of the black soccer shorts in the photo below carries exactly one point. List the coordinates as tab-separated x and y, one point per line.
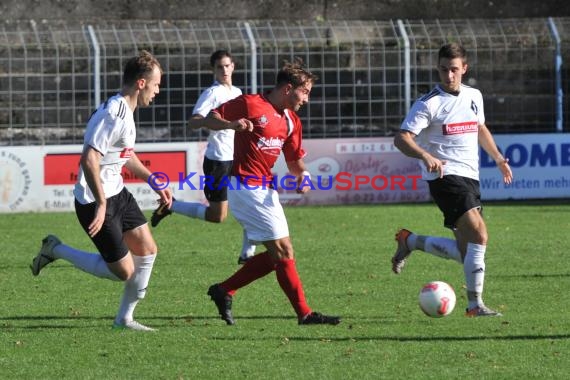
455	195
217	173
123	214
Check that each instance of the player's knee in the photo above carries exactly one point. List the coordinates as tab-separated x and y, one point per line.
148	247
480	236
152	248
123	274
215	215
286	252
216	218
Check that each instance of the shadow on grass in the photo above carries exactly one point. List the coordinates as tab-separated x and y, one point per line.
59	321
532	275
35	322
342	328
405	338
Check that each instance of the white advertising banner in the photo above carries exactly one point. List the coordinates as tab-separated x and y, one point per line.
344	171
540	164
356	171
41	178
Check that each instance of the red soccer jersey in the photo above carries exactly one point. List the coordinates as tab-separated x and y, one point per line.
274	131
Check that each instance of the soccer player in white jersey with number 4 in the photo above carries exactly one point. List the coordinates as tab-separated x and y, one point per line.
105	208
449	124
219	155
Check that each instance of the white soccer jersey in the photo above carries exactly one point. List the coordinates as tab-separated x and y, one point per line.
110	131
220	143
447	127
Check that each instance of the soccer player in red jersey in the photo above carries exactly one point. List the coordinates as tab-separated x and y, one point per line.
267	125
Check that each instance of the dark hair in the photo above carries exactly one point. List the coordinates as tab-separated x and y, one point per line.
451	51
219	54
139	67
295	74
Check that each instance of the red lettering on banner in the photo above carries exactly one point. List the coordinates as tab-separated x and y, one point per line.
460	128
340	179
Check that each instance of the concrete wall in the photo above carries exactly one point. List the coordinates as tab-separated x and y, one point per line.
91	10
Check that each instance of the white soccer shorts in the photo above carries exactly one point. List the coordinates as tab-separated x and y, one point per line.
258	211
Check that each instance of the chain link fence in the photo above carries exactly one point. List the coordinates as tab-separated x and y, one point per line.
53	75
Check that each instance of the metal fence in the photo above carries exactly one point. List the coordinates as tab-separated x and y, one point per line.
52	75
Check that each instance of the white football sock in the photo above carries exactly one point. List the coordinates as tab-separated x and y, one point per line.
91	263
437	246
247	249
474	268
191	209
135	287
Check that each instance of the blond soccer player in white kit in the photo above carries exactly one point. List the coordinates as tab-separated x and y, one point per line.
443	130
219	155
106	210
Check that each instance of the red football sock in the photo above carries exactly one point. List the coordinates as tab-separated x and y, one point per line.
258	266
290	282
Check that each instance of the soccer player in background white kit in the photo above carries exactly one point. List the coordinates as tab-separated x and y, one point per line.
449	124
107	211
219	154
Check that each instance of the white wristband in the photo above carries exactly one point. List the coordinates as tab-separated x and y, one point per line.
306	174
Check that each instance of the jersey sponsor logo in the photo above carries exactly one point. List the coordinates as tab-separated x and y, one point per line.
272	145
262	121
127	153
460	128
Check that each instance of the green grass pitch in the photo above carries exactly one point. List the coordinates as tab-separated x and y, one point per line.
58	325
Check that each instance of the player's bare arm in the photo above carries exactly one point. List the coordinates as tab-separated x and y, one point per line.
216	123
299	170
406	143
488	144
135	165
90	162
196	121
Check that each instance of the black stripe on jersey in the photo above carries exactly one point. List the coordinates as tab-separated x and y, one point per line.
430	95
122	110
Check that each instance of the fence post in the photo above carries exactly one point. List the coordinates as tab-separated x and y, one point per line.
253	49
96	66
407	67
558	71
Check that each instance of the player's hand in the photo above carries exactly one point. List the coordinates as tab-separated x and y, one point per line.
165	196
242	125
433	164
505	168
98	220
304	183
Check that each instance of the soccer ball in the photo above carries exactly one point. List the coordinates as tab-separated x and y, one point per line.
437	299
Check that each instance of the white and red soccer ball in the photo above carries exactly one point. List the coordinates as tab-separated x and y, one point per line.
437	299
